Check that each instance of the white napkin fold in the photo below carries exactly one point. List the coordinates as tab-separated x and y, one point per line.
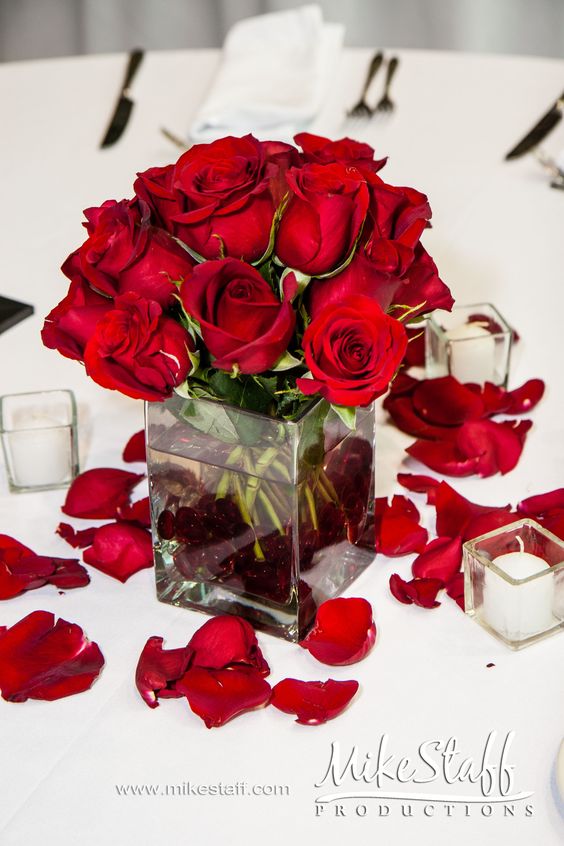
274	77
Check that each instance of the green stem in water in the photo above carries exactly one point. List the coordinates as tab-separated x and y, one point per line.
328	485
311	506
269	508
241	502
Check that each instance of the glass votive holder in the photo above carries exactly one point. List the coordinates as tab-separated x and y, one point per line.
39	439
471	343
514	582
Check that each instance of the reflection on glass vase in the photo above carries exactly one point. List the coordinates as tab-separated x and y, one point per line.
256	516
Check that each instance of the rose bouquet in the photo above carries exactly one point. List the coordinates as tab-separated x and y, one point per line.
266	288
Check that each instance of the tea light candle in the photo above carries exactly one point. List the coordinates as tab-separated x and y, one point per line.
472	353
41	453
518	611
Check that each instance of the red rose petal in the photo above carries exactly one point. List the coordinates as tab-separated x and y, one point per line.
440	559
134	449
525	398
540	504
224	641
454	512
219	695
496	447
442	457
554	522
77	539
138	512
22	570
455	589
158	669
421	592
120	550
65	572
397	527
41	659
344	632
485	523
97	494
313	702
419	484
446	402
405	418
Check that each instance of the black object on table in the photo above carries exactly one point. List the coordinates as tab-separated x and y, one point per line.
11	312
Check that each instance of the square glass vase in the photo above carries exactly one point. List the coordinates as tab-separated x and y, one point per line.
257	516
472	343
514	582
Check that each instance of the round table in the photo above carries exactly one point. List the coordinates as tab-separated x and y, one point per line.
94	768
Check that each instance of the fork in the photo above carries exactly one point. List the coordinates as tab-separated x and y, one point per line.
362	109
385	104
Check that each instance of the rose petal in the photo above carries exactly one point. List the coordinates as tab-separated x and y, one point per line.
97	494
224	641
405	418
158	669
446	402
65	572
219	695
442	457
455	589
421	592
540	504
41	659
344	631
138	512
134	449
440	559
22	570
419	484
120	550
313	702
454	512
485	523
525	398
397	528
77	539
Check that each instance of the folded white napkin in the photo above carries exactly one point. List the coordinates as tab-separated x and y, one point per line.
275	73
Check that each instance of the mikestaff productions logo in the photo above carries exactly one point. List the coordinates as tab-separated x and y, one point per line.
439	779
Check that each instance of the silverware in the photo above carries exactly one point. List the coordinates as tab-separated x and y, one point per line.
550	166
385	104
124	105
175	139
362	109
539	131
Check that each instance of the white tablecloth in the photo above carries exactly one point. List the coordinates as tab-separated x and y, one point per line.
497	237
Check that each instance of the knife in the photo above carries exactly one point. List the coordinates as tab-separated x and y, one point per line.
124	106
545	125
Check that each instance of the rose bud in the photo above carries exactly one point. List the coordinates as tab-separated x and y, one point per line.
243	323
353	350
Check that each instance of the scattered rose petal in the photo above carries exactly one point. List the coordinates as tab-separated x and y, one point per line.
77	539
454	512
541	504
344	631
422	592
225	641
22	570
524	399
65	572
97	494
446	402
219	695
455	589
485	523
313	702
120	550
158	669
41	659
138	512
405	418
398	531
134	449
419	484
440	559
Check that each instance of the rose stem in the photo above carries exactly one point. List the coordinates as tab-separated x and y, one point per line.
240	499
311	505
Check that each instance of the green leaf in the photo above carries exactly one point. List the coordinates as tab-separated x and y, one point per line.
347	414
196	256
286	362
302	281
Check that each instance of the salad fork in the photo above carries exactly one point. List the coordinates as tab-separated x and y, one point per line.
362	109
385	104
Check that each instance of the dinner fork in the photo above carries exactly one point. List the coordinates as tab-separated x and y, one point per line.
362	109
385	104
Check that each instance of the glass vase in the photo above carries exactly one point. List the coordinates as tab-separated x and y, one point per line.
257	516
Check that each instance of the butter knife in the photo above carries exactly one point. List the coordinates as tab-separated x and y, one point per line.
541	129
124	105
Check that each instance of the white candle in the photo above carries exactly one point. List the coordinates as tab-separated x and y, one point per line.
518	611
40	453
472	353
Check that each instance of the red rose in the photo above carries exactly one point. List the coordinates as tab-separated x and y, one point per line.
345	150
324	217
135	349
70	325
353	349
242	322
421	286
123	253
154	189
221	202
